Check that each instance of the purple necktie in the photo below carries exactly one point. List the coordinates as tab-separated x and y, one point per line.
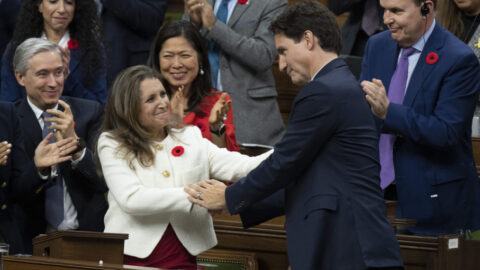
396	92
370	17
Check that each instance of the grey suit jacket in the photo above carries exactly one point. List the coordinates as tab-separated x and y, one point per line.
247	53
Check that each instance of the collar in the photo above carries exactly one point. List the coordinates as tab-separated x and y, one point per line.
63	41
37	111
423	40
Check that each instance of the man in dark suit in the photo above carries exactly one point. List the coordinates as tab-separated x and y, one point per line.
129	27
73	194
323	174
430	158
17	171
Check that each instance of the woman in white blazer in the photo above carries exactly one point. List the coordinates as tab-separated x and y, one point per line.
146	164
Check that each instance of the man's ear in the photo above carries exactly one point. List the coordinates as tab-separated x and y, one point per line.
309	39
20	78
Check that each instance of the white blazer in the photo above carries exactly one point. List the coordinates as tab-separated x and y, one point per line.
142	202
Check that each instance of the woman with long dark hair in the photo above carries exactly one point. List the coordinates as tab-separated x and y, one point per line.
75	26
179	54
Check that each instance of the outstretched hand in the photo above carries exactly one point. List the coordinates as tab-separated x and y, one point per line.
49	154
209	194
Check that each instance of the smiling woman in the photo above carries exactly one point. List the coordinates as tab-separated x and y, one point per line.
179	54
64	22
146	161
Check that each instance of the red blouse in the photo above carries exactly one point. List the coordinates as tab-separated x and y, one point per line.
202	121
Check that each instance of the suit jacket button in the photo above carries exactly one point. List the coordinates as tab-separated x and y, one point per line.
159	147
4	207
166	174
4	184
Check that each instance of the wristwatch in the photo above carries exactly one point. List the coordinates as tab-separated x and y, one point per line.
80	146
220	130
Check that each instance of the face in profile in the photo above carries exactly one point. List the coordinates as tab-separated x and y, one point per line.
292	59
178	62
44	79
154	105
57	14
404	20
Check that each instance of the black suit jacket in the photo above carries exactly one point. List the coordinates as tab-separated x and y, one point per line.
14	177
83	184
130	26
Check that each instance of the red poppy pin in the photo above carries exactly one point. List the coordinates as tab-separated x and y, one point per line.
177	151
243	2
72	44
432	58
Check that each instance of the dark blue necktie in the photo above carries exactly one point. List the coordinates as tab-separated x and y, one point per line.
213	51
54	194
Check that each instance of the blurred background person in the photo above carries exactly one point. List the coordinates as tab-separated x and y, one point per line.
75	27
8	17
241	51
129	27
179	54
364	20
461	17
137	142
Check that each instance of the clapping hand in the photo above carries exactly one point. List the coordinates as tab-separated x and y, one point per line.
177	102
5	149
209	194
219	111
376	97
200	13
62	122
48	154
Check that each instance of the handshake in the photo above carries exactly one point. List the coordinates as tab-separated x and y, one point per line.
209	194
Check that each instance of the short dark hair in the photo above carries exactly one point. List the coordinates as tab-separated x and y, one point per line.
313	16
201	85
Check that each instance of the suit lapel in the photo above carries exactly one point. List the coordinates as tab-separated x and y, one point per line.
422	69
237	12
31	127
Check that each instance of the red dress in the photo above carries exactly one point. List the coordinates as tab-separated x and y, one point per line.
169	254
202	121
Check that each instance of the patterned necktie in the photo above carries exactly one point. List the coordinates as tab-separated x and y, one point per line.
54	194
370	17
396	92
213	51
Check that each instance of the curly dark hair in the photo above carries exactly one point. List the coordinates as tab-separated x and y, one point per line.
85	27
202	84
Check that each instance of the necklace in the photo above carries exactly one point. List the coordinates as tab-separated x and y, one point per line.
467	34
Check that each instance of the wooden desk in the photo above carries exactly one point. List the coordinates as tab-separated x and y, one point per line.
46	263
268	242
